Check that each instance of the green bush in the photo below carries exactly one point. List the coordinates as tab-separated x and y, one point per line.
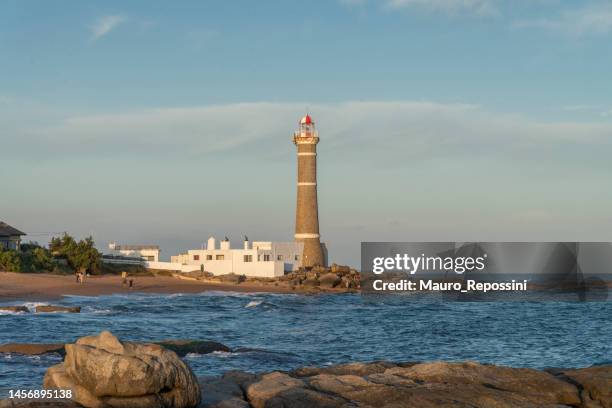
11	261
81	256
31	258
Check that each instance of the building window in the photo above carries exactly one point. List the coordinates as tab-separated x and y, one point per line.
266	258
297	258
220	257
209	257
248	258
196	257
279	257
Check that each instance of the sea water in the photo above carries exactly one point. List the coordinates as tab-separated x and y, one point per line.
284	331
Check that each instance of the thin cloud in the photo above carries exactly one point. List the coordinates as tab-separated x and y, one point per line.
590	20
451	7
105	25
421	129
352	3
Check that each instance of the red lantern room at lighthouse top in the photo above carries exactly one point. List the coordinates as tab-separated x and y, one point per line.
307	131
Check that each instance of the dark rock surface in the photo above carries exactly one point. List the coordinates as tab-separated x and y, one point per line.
42	309
32	349
184	347
53	308
418	385
30	403
16	309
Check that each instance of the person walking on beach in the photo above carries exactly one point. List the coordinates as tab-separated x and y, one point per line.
131	283
124	278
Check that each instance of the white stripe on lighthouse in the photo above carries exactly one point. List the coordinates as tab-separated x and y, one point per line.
306	235
307	154
307	184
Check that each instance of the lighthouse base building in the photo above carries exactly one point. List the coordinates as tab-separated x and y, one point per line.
263	259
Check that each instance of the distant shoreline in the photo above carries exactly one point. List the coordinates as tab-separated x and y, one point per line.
44	287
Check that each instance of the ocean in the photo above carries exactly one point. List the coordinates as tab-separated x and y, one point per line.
284	331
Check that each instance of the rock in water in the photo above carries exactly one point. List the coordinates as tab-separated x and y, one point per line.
184	347
32	349
15	309
52	308
104	372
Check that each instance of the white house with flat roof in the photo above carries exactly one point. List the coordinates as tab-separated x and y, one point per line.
145	252
257	258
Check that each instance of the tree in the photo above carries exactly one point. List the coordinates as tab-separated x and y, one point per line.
81	256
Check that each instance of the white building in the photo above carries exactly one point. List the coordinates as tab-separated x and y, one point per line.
258	259
148	253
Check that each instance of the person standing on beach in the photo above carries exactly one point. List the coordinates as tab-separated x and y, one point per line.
124	278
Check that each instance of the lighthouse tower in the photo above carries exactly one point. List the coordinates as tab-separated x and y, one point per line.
307	211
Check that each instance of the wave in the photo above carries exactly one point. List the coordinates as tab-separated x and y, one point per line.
254	303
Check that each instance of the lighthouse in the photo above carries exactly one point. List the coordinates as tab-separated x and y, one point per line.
307	210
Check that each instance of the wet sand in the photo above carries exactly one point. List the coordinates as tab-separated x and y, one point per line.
30	286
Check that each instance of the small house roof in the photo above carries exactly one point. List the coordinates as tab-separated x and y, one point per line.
8	231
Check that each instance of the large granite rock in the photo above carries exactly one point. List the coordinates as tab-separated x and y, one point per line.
104	372
595	384
424	385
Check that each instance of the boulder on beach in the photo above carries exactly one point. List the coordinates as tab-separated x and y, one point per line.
422	385
105	372
33	349
54	308
330	280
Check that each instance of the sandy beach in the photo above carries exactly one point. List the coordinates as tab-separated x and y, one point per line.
30	286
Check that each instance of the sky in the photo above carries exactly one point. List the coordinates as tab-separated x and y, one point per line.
155	122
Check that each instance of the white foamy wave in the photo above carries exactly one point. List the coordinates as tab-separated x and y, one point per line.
98	311
10	312
223	354
32	305
254	303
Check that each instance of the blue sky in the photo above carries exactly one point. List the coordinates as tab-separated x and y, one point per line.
165	122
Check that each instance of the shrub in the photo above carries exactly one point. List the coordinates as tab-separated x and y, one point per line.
81	255
11	261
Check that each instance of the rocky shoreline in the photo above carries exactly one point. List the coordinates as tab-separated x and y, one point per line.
336	278
103	372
